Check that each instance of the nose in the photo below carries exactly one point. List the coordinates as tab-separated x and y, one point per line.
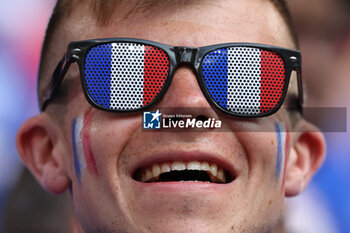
184	91
184	96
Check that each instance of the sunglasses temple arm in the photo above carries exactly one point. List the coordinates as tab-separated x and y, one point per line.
300	89
56	79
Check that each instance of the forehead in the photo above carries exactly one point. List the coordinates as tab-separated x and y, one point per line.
195	24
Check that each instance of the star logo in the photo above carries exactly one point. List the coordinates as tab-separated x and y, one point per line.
156	115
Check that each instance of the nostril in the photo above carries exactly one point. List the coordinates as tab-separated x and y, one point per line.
201	118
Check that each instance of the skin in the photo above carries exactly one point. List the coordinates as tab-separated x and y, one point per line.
110	200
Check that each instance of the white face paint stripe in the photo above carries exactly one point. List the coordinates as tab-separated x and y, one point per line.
281	149
79	143
244	80
78	151
127	75
284	136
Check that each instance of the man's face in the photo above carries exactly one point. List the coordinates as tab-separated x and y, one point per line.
107	148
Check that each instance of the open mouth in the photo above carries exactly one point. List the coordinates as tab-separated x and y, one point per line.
183	171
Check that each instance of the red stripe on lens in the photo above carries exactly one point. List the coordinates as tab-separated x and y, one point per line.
156	68
272	81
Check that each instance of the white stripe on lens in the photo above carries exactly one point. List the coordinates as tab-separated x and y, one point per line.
244	75
127	72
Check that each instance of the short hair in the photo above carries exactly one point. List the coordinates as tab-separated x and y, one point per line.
103	10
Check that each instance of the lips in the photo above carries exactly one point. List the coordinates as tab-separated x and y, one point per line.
184	167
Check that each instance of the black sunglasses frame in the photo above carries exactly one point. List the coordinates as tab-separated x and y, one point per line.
78	50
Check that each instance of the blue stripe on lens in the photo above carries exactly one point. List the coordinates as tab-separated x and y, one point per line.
98	74
214	68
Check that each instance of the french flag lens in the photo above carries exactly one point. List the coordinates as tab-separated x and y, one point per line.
244	80
125	76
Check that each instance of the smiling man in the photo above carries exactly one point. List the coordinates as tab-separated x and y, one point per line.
234	61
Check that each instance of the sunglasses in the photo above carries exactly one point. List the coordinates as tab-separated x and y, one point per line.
123	75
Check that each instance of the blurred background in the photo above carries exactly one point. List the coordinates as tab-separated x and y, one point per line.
24	206
324	30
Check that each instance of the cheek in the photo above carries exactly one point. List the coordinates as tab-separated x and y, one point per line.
267	149
110	135
83	155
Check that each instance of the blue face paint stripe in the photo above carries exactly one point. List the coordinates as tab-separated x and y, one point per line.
76	158
215	75
279	150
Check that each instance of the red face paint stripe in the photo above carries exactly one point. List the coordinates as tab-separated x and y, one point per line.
286	156
89	157
156	68
272	80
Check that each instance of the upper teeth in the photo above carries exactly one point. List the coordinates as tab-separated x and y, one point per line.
152	173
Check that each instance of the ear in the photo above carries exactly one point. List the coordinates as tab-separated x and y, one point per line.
305	158
41	150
